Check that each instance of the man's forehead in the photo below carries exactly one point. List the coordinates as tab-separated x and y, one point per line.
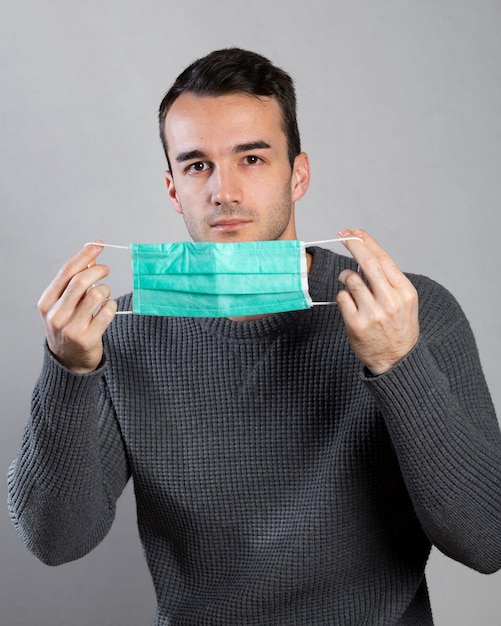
189	110
196	122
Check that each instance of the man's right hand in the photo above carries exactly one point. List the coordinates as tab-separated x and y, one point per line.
68	308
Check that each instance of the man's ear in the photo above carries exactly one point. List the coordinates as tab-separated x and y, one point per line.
300	176
171	190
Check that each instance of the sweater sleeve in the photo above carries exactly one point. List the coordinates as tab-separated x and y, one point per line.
71	466
440	417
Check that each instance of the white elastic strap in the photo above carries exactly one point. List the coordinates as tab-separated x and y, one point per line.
304	274
316	243
106	245
111	245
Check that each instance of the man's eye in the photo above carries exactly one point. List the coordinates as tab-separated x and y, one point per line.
252	159
199	166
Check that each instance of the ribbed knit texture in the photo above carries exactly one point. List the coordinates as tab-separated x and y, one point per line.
277	482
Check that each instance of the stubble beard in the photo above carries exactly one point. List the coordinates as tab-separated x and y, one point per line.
269	227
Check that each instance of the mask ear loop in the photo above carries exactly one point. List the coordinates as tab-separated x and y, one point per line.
339	239
106	245
110	245
317	243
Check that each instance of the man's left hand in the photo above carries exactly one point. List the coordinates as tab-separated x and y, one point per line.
381	318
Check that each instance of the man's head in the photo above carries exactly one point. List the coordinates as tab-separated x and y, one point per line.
233	70
229	130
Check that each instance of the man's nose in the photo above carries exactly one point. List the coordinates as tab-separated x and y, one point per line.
226	187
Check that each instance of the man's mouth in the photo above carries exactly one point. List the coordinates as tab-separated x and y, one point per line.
229	223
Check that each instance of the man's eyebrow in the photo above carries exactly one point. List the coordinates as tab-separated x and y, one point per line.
190	154
252	145
243	147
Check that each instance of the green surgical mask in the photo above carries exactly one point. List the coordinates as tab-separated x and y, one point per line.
207	279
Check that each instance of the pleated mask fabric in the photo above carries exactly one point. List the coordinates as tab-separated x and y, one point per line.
208	279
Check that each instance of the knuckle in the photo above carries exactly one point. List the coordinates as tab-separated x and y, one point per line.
98	294
105	316
392	308
353	281
385	259
65	274
376	319
78	282
411	295
55	321
94	295
362	327
373	267
43	307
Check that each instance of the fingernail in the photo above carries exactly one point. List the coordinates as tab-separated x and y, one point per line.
344	232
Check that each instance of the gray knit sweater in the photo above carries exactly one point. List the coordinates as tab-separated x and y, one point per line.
277	482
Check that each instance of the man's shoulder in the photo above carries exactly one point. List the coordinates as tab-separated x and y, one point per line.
439	310
429	290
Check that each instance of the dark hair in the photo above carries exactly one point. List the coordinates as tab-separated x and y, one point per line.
233	70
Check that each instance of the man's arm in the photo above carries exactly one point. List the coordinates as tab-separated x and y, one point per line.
72	465
432	394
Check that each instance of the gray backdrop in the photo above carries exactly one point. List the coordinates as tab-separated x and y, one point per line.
400	110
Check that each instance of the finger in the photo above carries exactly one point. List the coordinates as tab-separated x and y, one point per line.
91	303
392	272
83	259
371	259
80	285
355	287
95	244
376	264
103	318
74	315
367	255
346	303
95	312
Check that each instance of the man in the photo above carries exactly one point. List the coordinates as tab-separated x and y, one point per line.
292	468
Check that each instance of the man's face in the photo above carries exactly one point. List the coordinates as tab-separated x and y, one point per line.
230	173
